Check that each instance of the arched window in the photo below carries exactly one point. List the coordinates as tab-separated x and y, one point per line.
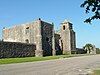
63	27
27	27
27	30
27	41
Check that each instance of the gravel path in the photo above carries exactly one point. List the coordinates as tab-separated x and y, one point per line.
63	66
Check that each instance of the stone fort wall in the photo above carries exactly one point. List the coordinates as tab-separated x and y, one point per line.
47	35
25	33
43	35
16	49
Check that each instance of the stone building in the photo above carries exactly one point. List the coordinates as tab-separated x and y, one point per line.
42	34
65	38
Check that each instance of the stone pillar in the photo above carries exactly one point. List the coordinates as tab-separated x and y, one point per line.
53	41
39	51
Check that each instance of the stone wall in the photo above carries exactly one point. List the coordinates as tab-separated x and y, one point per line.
73	42
47	35
80	51
58	44
25	33
16	49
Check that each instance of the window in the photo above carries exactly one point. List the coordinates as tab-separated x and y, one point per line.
27	41
47	39
63	27
27	27
27	30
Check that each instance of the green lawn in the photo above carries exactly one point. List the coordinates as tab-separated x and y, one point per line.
33	59
96	72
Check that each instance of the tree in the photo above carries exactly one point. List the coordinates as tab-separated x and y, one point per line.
98	51
88	48
92	6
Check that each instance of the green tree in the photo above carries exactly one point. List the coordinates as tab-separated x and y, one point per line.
98	51
88	48
92	6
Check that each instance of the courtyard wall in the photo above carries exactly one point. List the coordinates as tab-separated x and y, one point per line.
16	49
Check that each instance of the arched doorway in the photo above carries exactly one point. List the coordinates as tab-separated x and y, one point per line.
27	41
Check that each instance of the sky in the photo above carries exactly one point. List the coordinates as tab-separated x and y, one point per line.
16	12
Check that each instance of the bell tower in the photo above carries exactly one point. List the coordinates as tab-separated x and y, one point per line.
67	37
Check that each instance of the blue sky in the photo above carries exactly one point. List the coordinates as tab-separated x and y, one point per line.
15	12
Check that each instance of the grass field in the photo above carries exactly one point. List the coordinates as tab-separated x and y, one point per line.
95	72
33	59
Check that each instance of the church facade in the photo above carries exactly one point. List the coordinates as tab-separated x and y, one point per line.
42	34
